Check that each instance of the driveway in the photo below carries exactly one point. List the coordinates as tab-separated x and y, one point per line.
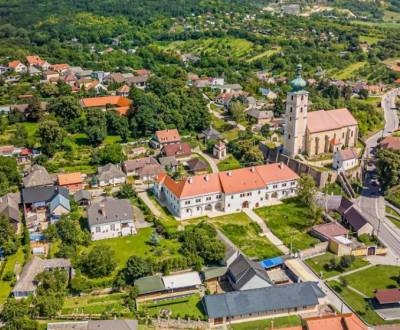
210	160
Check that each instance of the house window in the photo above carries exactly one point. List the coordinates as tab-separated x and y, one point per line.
283	184
97	229
198	200
291	109
112	227
288	137
187	202
229	205
293	183
301	109
232	197
290	118
218	196
208	198
275	186
343	135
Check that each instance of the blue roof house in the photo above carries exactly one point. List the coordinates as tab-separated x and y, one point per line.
58	206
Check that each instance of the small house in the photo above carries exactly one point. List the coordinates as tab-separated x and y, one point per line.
344	160
181	151
83	197
197	166
110	175
164	137
72	181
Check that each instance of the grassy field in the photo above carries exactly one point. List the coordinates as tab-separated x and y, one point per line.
370	40
391	16
229	163
280	322
111	303
267	53
394	198
289	221
319	263
190	306
6	286
349	70
243	233
127	246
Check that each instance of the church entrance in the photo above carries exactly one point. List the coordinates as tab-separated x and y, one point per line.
245	205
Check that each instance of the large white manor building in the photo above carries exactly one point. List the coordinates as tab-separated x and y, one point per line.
229	191
316	132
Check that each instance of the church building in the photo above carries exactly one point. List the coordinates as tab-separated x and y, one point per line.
316	132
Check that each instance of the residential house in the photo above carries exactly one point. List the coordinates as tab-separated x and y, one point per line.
95	325
9	206
255	304
225	99
229	88
229	191
36	62
38	176
390	143
269	94
42	203
336	321
7	151
4	69
164	137
132	166
388	298
197	166
17	67
181	151
110	175
83	197
210	134
72	181
111	218
260	117
134	152
26	283
168	163
148	173
219	150
123	91
34	71
328	231
51	76
60	68
357	222
117	103
244	274
344	160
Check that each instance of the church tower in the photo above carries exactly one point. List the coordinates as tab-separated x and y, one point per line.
296	116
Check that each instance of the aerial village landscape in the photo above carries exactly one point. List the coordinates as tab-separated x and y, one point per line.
200	165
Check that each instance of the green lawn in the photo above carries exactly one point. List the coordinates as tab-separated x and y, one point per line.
127	246
289	221
112	303
185	307
6	286
347	72
229	163
370	40
319	263
279	322
333	188
378	277
243	233
394	198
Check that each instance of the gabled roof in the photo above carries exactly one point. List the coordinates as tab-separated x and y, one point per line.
283	297
335	322
177	149
108	172
102	101
344	206
14	64
355	218
42	194
391	143
388	296
168	136
330	230
150	284
243	270
9	206
82	194
320	121
135	164
150	170
197	164
69	178
59	200
182	280
347	154
37	177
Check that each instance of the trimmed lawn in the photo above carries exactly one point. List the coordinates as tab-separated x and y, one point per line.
229	163
243	233
279	322
184	307
370	40
137	245
113	302
166	217
333	188
231	134
378	277
289	221
6	286
349	70
394	198
319	263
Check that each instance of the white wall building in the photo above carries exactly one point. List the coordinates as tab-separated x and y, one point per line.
111	218
344	160
230	191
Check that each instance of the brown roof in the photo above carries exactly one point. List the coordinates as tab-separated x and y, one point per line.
14	64
69	178
320	121
330	230
355	218
335	322
390	142
168	136
388	296
197	164
177	150
135	164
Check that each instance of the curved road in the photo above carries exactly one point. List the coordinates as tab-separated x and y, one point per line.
371	202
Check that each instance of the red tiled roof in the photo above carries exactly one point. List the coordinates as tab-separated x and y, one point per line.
388	296
35	60
59	67
330	230
168	136
177	149
335	322
244	179
14	64
69	178
102	101
320	121
347	154
390	142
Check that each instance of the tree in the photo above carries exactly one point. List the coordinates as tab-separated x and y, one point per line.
388	168
117	125
136	267
266	130
236	110
16	315
96	126
8	239
49	90
111	153
51	136
3	124
100	261
34	111
20	135
79	283
306	190
4	184
8	166
126	191
363	93
66	108
154	239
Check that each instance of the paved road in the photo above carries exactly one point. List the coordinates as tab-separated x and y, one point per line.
209	159
371	202
154	209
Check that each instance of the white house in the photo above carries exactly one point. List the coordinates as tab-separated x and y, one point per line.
229	191
111	218
345	159
110	174
18	67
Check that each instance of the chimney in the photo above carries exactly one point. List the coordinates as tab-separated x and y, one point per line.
252	169
190	180
206	178
229	173
280	165
102	210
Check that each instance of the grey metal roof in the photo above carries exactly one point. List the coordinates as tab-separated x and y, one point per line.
110	210
262	300
108	172
42	194
95	325
135	164
82	194
168	161
243	270
9	206
38	176
150	284
355	219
